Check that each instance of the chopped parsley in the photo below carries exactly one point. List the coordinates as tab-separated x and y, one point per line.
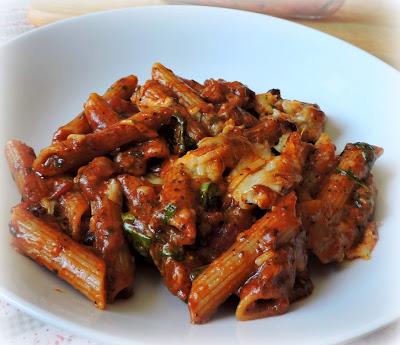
368	152
139	241
210	195
169	212
349	174
175	253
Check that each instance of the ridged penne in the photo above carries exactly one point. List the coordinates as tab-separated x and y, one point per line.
268	131
119	93
153	94
354	166
66	155
320	163
177	206
74	206
267	293
20	158
226	274
90	177
98	113
134	160
71	261
106	225
117	96
78	125
187	96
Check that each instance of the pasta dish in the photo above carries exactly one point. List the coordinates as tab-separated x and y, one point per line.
227	192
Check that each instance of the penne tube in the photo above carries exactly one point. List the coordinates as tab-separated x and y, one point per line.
324	238
123	88
74	206
359	211
134	160
142	201
267	293
20	158
118	95
90	177
187	96
177	202
203	112
98	113
268	130
106	225
229	271
153	94
59	185
71	261
73	152
176	277
320	163
78	125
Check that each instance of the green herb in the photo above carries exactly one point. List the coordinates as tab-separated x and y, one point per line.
368	152
176	135
349	174
169	212
175	253
210	195
128	217
196	272
139	241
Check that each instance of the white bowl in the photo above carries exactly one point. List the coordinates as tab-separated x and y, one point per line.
48	73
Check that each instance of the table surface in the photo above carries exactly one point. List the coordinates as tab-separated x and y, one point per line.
371	27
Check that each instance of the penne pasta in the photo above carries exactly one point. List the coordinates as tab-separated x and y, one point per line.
355	164
222	190
267	131
98	113
69	154
78	125
20	158
153	94
187	96
267	292
135	160
74	206
106	225
117	96
226	274
91	176
321	162
119	93
71	261
177	204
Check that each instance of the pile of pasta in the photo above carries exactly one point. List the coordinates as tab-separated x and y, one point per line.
225	191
